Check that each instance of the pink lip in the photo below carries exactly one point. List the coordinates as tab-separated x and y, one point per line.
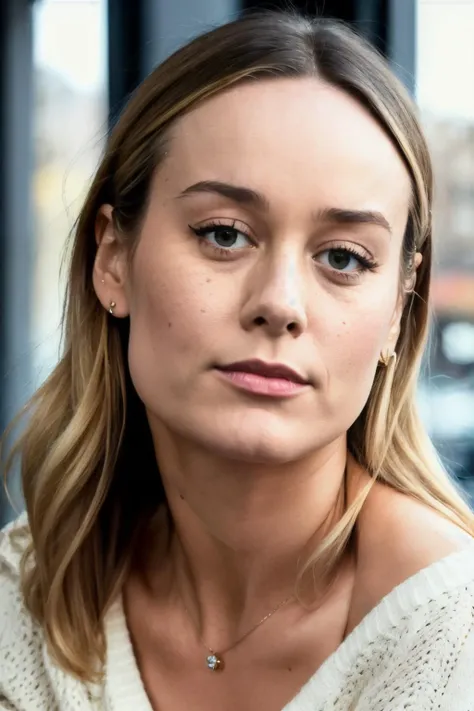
271	379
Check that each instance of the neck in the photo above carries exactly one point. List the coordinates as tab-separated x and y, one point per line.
240	530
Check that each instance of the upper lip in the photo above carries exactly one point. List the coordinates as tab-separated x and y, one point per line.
268	370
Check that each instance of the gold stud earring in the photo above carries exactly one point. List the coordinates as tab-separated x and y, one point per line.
112	307
386	356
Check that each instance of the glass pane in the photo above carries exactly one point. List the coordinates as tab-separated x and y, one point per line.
70	122
445	94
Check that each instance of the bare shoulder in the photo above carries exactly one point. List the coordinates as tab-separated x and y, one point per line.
395	525
397	537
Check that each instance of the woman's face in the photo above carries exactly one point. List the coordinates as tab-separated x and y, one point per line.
273	233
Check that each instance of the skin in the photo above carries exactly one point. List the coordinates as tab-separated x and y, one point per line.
252	482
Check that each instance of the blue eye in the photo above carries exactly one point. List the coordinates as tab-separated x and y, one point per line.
340	259
222	236
345	260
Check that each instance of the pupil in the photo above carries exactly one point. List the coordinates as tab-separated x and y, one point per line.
338	259
225	237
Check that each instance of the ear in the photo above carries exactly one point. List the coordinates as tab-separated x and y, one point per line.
408	288
411	281
110	272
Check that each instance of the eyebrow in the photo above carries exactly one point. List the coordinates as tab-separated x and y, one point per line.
247	196
237	193
340	216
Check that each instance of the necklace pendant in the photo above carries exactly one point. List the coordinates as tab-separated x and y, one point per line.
214	662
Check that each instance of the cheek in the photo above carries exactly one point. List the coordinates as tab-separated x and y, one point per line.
173	316
363	339
355	345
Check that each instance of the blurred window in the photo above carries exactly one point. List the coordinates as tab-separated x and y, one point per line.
70	123
445	94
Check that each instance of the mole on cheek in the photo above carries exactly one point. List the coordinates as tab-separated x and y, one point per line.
169	324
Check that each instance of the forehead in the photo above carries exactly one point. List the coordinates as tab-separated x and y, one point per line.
295	140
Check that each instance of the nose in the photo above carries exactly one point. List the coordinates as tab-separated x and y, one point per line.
276	300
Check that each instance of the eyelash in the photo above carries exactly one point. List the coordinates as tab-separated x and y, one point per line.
366	263
203	230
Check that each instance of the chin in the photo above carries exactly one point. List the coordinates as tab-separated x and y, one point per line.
270	453
260	445
250	435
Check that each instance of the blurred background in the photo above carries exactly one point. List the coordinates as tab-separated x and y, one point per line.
66	69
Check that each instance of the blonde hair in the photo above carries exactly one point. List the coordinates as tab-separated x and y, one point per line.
86	421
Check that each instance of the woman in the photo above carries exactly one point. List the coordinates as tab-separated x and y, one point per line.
231	502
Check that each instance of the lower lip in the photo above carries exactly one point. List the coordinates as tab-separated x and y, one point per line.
261	385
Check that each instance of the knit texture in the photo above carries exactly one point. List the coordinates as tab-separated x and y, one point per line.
414	651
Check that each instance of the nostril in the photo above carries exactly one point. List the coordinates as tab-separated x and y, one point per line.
260	321
291	326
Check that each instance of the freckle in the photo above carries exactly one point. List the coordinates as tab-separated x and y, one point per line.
169	324
181	497
343	323
289	669
208	280
203	311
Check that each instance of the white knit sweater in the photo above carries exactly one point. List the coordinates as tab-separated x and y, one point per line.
414	650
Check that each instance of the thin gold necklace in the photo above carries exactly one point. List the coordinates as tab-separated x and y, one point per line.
214	659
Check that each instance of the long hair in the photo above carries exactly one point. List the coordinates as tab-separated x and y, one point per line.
87	499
